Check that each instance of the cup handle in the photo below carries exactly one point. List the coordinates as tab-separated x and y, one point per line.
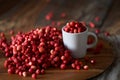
95	37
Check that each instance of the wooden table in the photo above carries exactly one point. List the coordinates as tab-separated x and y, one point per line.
103	60
31	14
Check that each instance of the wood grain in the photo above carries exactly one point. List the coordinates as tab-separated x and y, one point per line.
5	7
103	60
29	14
112	23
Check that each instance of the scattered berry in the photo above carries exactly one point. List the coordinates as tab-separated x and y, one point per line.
85	67
49	16
92	25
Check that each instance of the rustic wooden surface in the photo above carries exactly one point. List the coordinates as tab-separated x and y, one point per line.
29	14
103	60
112	25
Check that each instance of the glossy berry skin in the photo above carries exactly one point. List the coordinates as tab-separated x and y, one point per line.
35	51
62	66
34	76
74	27
92	61
85	67
92	25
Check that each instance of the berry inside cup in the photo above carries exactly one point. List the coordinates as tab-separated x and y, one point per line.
74	27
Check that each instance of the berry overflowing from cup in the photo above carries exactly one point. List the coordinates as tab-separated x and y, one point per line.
75	36
74	27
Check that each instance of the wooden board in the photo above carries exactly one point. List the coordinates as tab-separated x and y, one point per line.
113	26
31	13
22	16
103	60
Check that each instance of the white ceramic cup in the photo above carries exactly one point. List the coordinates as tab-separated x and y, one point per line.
77	42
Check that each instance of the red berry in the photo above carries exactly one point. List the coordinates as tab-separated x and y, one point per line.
79	30
41	49
2	34
20	73
24	74
107	34
56	59
63	15
76	62
11	32
92	61
78	67
66	29
85	67
97	31
75	31
62	66
38	71
59	23
73	65
62	57
92	25
97	18
10	71
72	23
49	16
42	71
6	63
34	76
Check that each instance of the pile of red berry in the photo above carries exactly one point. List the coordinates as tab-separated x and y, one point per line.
74	27
33	52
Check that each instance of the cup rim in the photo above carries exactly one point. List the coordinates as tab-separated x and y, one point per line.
75	33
